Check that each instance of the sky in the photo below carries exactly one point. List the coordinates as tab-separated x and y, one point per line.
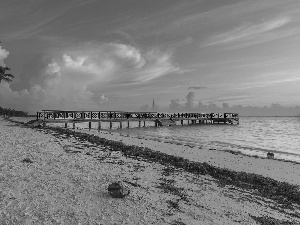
120	54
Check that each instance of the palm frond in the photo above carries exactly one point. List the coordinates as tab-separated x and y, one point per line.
3	69
9	75
5	76
5	79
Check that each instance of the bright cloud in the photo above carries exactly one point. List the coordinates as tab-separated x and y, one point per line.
52	69
158	64
3	55
73	63
130	53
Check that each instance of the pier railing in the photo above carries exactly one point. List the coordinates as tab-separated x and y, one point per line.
120	115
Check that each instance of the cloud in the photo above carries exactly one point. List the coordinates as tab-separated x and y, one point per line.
129	53
158	64
3	55
190	98
264	81
194	16
266	37
237	98
52	70
65	82
114	62
21	100
197	88
102	99
249	32
260	62
35	15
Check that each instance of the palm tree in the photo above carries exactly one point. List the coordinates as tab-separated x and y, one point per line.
4	75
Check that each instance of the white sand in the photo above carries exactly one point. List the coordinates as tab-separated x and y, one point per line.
71	188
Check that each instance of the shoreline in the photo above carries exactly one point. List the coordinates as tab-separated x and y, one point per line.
278	169
288	154
134	160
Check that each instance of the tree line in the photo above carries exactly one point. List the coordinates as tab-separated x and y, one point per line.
11	112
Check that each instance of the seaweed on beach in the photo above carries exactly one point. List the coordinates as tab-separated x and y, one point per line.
233	152
176	222
167	171
282	192
168	186
173	204
266	220
27	160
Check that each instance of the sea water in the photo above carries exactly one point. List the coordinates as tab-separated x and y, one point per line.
253	136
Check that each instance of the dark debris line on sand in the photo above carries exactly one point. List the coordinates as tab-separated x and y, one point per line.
282	192
266	220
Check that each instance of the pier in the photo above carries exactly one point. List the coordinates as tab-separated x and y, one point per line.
121	117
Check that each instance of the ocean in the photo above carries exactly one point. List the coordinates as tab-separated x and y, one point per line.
253	136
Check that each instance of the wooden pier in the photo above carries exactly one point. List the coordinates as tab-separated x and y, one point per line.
158	118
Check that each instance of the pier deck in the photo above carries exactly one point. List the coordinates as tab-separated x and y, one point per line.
159	118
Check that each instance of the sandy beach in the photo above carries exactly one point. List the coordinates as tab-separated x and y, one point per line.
275	169
66	183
